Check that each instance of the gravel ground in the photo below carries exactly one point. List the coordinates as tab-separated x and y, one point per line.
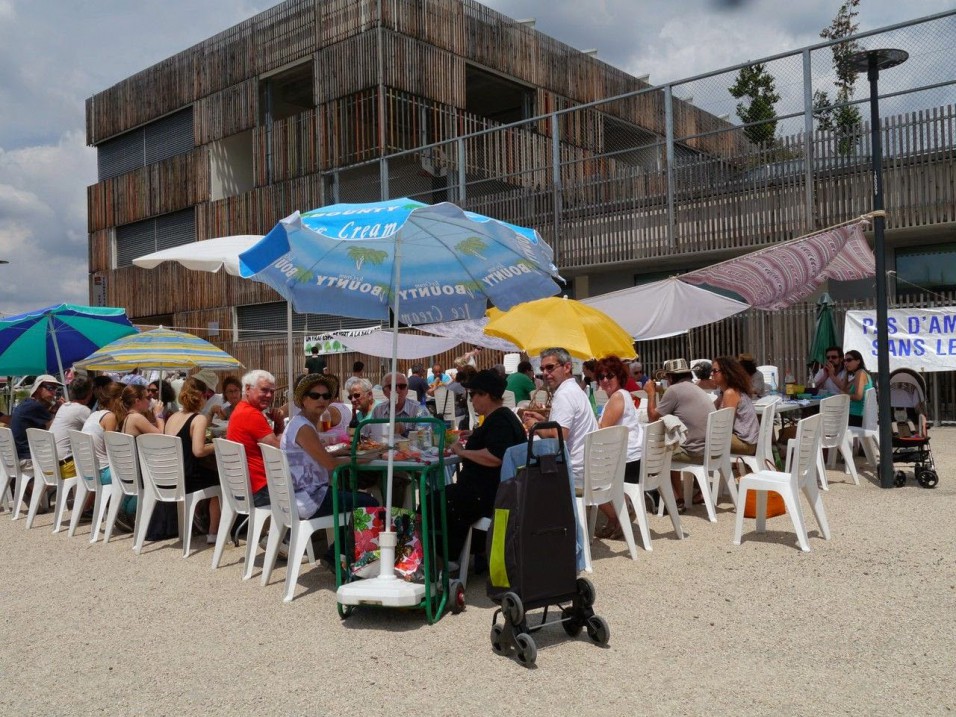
863	624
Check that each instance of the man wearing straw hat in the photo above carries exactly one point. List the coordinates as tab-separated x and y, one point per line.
36	412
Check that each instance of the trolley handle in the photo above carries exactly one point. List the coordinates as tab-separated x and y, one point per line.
544	426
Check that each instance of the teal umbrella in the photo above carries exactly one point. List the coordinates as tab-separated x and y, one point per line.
54	338
824	333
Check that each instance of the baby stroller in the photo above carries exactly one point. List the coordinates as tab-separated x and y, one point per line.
910	427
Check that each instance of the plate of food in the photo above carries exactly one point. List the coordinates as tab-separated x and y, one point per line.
364	448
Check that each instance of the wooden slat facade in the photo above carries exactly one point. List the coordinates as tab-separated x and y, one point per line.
609	208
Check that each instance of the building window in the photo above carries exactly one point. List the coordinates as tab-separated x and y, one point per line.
286	93
497	98
927	269
163	232
154	142
268	321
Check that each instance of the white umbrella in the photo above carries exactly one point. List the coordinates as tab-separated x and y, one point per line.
664	308
212	255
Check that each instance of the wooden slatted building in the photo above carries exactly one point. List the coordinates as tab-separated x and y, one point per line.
297	107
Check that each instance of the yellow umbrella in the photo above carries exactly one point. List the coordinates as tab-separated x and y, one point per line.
584	331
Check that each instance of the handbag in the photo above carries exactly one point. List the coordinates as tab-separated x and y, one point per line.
775	504
368	523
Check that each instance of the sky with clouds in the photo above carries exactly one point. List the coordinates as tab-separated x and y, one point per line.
54	54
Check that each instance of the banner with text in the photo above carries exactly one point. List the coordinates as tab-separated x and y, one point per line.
330	343
920	339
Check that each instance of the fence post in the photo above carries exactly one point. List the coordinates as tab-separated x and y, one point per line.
556	192
808	148
669	139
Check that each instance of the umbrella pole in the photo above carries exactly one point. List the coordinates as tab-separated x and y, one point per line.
386	589
59	360
290	361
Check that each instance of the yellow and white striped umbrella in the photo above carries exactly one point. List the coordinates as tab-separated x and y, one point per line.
158	348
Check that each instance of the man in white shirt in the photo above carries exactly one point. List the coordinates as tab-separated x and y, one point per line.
70	417
832	374
570	407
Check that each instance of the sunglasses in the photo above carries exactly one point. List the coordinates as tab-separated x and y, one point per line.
48	386
472	394
355	396
549	367
849	358
603	376
152	390
316	396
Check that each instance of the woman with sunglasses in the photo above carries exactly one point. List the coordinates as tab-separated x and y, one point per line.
858	380
734	385
309	463
472	496
161	391
611	375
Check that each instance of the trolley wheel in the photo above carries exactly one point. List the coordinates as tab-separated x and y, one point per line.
527	650
927	478
586	592
345	611
570	621
598	630
497	644
512	608
900	479
456	597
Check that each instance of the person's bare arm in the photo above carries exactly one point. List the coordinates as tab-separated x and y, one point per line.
856	391
651	389
613	410
482	456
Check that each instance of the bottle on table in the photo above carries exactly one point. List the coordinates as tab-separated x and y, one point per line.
353	426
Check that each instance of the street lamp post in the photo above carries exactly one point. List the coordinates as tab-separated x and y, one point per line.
871	62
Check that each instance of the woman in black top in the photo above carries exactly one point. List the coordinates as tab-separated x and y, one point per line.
473	496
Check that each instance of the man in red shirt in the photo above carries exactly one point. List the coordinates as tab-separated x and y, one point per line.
248	426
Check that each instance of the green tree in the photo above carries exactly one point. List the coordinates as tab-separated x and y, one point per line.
758	86
845	119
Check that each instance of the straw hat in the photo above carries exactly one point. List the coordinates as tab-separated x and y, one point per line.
315	379
677	367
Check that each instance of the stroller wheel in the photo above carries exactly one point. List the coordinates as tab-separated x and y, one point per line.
570	622
497	644
527	650
927	478
512	608
900	479
598	630
586	593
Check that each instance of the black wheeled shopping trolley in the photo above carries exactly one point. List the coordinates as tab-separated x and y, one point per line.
532	556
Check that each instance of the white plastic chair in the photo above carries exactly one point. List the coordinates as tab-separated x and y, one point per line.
771	377
508	400
445	405
237	500
716	466
285	517
869	434
124	476
511	361
465	556
605	454
764	452
11	469
655	475
46	471
834	436
801	478
88	481
164	480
